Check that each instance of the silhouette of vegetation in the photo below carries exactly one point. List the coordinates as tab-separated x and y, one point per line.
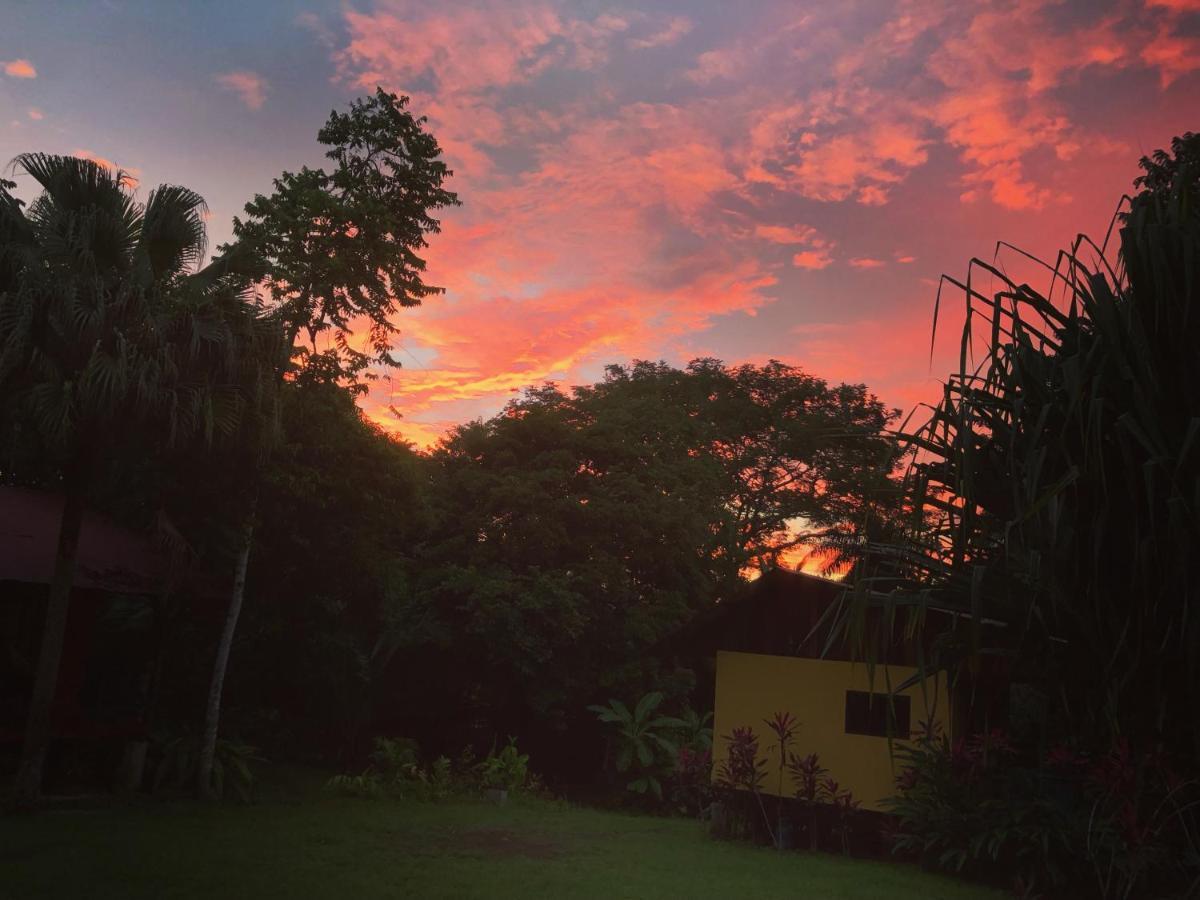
326	249
1056	489
106	324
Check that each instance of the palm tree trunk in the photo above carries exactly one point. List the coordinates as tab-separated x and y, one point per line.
212	713
37	729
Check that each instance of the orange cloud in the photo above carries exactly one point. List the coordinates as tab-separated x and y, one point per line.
812	259
866	262
250	87
19	68
131	175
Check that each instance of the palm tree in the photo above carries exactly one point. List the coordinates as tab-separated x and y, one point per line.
105	323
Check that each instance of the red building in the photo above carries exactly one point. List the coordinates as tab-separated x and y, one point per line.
107	649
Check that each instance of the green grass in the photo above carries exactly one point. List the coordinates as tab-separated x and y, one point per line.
313	845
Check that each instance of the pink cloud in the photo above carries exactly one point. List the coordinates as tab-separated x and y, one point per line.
672	32
132	174
606	219
19	68
1174	55
788	234
35	114
250	87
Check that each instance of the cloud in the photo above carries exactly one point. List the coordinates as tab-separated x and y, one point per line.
609	216
35	114
674	30
19	68
132	174
812	259
250	87
788	234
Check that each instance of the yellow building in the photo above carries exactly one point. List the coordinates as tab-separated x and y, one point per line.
842	716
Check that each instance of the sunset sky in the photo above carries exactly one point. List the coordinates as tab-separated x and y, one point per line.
667	180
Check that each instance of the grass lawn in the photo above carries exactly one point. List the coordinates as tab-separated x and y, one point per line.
304	843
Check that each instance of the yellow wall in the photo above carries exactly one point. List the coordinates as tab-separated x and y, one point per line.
752	687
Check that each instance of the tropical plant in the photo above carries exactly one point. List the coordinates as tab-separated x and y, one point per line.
506	769
367	785
783	725
179	756
695	730
844	805
807	775
1055	488
396	770
643	742
693	780
105	325
396	759
742	770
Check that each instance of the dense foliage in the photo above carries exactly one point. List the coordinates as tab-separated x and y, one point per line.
1056	490
106	326
576	534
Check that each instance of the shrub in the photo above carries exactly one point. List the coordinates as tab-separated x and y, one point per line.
368	785
692	792
506	770
179	757
396	770
807	773
645	746
1110	824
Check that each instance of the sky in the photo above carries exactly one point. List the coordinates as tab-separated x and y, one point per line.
664	180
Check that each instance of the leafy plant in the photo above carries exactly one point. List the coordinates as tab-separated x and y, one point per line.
807	774
507	769
783	725
231	768
396	769
695	729
743	770
368	785
643	742
693	780
107	327
844	805
1055	488
396	759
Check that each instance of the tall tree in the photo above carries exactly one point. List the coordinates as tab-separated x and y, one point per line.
574	533
104	322
335	249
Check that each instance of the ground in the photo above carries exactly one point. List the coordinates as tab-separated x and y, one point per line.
306	844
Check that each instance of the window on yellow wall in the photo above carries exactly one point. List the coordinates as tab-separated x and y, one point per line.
868	713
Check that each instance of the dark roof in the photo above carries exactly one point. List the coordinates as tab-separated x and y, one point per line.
776	615
111	558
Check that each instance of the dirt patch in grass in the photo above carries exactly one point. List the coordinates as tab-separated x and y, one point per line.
500	842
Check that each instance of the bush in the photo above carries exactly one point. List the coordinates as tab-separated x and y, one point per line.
178	757
507	770
396	770
1106	825
742	774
